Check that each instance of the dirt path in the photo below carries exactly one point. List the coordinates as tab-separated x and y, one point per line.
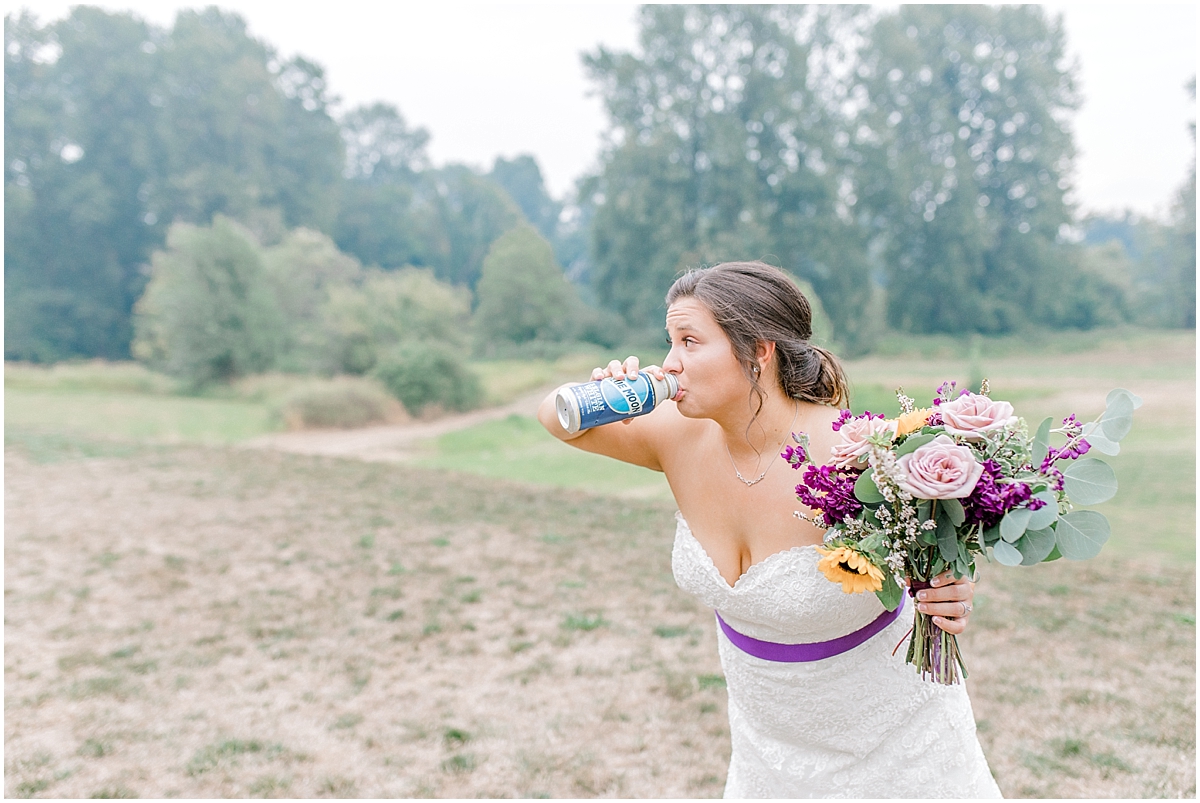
391	443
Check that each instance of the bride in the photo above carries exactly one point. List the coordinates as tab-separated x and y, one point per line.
841	715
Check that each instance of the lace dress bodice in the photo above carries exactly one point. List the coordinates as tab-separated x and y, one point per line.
859	724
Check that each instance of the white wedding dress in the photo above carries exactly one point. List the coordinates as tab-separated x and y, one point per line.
859	724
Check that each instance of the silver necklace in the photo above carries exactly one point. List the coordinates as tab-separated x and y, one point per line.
760	477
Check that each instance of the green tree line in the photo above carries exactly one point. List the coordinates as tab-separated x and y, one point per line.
912	166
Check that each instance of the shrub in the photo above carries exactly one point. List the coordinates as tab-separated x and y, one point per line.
367	320
523	294
343	403
209	312
302	268
421	373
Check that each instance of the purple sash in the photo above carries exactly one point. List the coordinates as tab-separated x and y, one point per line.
814	651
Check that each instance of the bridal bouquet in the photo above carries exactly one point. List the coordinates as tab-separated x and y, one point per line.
910	497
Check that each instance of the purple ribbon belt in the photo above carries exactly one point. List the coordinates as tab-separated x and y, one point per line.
814	651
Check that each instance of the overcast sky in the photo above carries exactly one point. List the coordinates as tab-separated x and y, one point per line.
503	79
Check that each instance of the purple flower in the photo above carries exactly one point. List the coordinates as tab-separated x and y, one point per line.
1071	451
831	491
794	455
1056	478
935	418
991	498
846	415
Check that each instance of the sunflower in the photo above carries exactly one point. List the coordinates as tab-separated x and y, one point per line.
852	569
911	422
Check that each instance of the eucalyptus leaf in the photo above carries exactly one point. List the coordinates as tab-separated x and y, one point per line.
1035	545
991	535
964	557
1041	442
1054	553
1007	554
1133	397
953	510
1045	515
947	540
925	510
913	443
1013	525
1102	444
1089	481
1117	418
891	592
865	489
1081	533
927	537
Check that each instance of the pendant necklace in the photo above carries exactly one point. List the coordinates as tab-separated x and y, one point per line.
760	477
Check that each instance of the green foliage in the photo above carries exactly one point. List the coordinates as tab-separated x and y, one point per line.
303	268
965	161
114	129
364	320
521	178
78	146
725	132
424	373
209	313
522	292
1152	264
468	213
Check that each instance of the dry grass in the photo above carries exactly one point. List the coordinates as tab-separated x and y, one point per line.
217	622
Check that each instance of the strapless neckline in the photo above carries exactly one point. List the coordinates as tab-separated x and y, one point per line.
752	569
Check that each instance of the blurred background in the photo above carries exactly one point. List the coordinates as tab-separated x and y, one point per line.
872	153
366	239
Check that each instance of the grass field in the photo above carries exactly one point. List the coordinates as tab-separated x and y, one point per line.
186	621
186	617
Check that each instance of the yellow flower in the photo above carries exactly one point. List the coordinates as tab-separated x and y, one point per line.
911	422
852	569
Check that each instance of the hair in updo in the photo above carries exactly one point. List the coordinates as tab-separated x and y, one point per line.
753	303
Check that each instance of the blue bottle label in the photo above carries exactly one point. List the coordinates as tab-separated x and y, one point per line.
612	400
625	397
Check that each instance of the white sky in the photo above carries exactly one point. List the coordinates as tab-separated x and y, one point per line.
502	79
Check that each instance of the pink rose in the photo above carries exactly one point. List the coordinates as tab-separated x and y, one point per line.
941	469
852	450
969	415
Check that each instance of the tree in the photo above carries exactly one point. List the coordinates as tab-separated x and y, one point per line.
1185	228
303	268
521	178
464	213
378	221
397	212
366	320
724	146
523	294
78	150
114	129
241	129
965	158
380	147
209	313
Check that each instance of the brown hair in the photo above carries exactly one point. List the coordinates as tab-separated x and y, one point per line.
754	303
